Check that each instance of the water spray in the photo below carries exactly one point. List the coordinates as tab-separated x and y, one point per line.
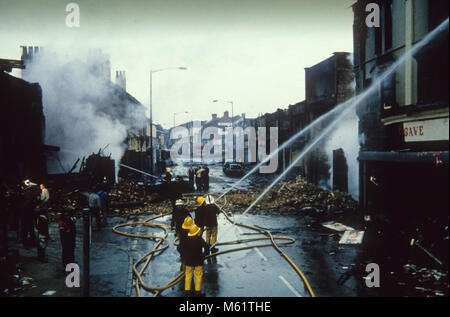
139	171
347	106
351	102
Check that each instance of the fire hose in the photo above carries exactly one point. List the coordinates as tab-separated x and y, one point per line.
162	244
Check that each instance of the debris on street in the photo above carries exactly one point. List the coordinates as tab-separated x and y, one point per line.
293	195
49	293
352	237
336	226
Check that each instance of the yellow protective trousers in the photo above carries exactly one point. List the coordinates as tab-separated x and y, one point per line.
198	272
211	235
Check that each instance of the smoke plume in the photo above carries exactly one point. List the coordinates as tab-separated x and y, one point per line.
84	111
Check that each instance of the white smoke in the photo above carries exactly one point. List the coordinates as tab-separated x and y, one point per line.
82	112
346	137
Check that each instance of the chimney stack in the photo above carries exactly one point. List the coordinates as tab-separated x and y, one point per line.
121	79
28	54
226	115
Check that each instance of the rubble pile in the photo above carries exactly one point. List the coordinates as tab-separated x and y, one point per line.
129	198
293	195
125	198
432	282
61	200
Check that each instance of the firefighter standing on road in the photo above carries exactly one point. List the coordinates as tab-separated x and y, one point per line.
200	214
178	216
206	218
194	251
168	177
187	224
210	221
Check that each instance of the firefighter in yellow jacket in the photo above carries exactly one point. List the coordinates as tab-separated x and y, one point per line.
194	251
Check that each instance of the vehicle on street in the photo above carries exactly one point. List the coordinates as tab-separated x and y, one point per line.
233	169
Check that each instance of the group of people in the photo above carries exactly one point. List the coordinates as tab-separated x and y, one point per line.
200	176
192	247
26	209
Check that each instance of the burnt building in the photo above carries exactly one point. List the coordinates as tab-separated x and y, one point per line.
327	84
22	128
108	100
138	154
403	127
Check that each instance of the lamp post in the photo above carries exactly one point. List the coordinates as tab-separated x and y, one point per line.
151	110
174	114
217	100
232	125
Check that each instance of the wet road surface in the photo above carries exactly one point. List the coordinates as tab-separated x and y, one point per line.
256	272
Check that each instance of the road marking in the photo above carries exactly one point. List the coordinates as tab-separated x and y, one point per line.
293	290
256	248
260	254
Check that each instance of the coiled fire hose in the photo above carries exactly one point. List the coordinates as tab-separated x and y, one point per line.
162	244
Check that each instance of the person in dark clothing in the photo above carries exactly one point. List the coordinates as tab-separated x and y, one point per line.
198	178
200	214
191	174
175	191
187	224
67	233
27	216
210	213
95	208
168	177
178	216
43	235
205	177
104	200
194	251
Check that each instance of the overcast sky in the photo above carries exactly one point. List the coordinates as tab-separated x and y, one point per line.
252	52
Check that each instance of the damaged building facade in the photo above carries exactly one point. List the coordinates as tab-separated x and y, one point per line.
327	84
109	101
403	128
22	127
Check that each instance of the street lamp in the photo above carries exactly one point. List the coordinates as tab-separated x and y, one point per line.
232	125
174	114
217	100
151	110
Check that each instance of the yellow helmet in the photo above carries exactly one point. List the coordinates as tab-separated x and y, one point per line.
188	223
193	231
200	200
169	170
